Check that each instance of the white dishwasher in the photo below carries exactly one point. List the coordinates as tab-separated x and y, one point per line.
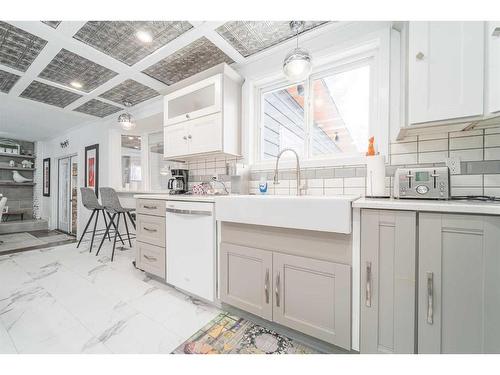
190	247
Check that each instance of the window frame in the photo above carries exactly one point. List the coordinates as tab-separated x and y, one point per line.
339	62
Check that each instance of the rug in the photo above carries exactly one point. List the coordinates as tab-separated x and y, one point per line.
56	238
18	241
229	334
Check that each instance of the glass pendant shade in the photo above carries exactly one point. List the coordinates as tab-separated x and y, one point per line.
125	121
297	65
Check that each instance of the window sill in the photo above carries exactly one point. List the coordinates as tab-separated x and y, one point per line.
290	162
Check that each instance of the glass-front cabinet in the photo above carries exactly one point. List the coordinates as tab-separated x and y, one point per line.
197	100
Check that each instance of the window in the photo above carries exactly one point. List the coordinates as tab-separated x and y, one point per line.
327	116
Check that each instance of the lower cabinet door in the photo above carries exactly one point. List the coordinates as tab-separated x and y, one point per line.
245	277
388	256
459	279
313	297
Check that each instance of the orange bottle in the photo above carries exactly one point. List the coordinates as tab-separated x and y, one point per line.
371	147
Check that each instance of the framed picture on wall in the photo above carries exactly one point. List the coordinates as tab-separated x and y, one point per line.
92	168
46	177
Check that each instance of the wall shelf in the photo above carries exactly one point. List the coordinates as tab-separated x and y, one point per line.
17	156
17	169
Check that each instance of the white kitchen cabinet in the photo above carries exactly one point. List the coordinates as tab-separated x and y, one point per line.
445	71
198	136
493	70
194	101
202	115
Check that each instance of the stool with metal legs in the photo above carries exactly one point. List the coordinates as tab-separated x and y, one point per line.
90	202
112	205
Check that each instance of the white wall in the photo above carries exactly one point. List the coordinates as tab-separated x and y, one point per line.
78	139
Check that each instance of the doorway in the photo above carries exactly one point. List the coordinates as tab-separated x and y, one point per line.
67	204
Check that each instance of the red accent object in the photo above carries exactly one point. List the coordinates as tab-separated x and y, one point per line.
91	172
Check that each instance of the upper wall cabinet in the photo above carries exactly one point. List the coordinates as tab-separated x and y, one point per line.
493	71
445	71
202	114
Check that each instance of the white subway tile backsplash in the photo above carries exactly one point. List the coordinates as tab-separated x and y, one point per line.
458	191
492	130
403	148
354	182
466	133
492	140
315	183
425	137
314	191
404	159
492	191
492	153
492	180
432	157
333	191
334	183
354	191
468	155
466	142
434	145
466	180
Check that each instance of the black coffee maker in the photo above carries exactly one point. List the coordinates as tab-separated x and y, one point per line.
178	184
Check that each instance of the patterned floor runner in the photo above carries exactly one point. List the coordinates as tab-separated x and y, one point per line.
229	334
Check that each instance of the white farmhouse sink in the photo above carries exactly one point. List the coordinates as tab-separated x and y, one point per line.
327	214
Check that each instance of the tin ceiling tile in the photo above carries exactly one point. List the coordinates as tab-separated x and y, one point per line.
118	38
47	94
194	58
52	24
250	37
7	81
97	108
18	48
67	67
131	91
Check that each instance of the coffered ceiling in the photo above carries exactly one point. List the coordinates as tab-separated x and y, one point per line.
88	68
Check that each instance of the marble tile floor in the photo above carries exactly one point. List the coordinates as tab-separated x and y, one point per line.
65	300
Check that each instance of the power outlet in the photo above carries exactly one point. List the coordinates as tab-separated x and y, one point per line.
453	164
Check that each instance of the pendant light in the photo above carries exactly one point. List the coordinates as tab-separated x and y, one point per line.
298	62
125	119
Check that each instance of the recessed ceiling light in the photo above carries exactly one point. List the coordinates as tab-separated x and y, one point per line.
131	138
76	84
144	36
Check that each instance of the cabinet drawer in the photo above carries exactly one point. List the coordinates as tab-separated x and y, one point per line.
151	229
151	259
151	207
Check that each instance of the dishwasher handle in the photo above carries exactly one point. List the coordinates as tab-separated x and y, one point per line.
189	212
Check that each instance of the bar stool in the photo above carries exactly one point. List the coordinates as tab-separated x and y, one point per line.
90	202
113	207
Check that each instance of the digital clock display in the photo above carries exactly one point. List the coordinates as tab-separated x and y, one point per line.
421	176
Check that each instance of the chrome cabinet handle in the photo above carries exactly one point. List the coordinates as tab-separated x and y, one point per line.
190	136
266	286
420	56
368	289
153	259
150	207
149	229
277	290
430	298
185	138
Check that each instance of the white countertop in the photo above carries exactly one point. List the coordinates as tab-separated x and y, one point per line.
453	206
179	197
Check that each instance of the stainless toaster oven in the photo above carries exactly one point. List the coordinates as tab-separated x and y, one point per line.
422	183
